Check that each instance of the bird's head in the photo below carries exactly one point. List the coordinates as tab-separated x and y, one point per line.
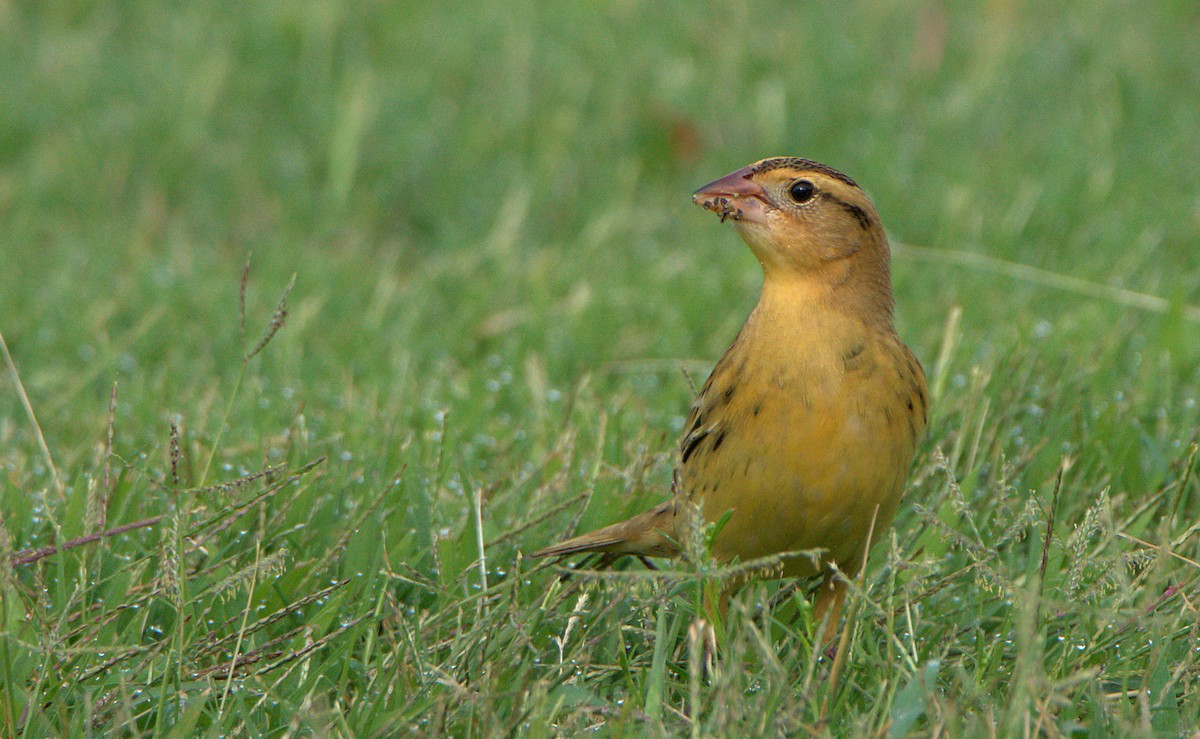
799	216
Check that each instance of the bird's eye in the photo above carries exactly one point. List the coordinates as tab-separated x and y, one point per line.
802	191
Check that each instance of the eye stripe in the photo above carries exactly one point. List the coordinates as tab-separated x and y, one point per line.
859	214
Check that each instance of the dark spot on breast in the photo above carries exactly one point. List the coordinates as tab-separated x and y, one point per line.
718	441
852	357
757	408
910	404
722	398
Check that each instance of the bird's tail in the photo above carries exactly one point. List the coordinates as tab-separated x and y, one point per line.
647	534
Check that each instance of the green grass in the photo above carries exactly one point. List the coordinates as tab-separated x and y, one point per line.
498	278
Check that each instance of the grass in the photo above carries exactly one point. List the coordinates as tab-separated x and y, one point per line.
498	278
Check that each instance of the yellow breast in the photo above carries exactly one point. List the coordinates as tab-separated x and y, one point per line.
805	431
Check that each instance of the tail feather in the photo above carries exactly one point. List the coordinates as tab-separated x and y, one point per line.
647	534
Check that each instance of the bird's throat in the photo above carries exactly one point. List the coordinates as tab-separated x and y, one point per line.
838	287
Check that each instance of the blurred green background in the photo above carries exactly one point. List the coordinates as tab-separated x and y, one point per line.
487	210
424	168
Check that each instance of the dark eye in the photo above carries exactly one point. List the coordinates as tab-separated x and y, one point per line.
802	191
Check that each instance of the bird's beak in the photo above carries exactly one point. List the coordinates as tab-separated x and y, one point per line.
736	196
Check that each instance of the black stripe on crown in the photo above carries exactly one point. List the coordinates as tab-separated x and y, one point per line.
767	165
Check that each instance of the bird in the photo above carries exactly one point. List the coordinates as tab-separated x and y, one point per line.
799	445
